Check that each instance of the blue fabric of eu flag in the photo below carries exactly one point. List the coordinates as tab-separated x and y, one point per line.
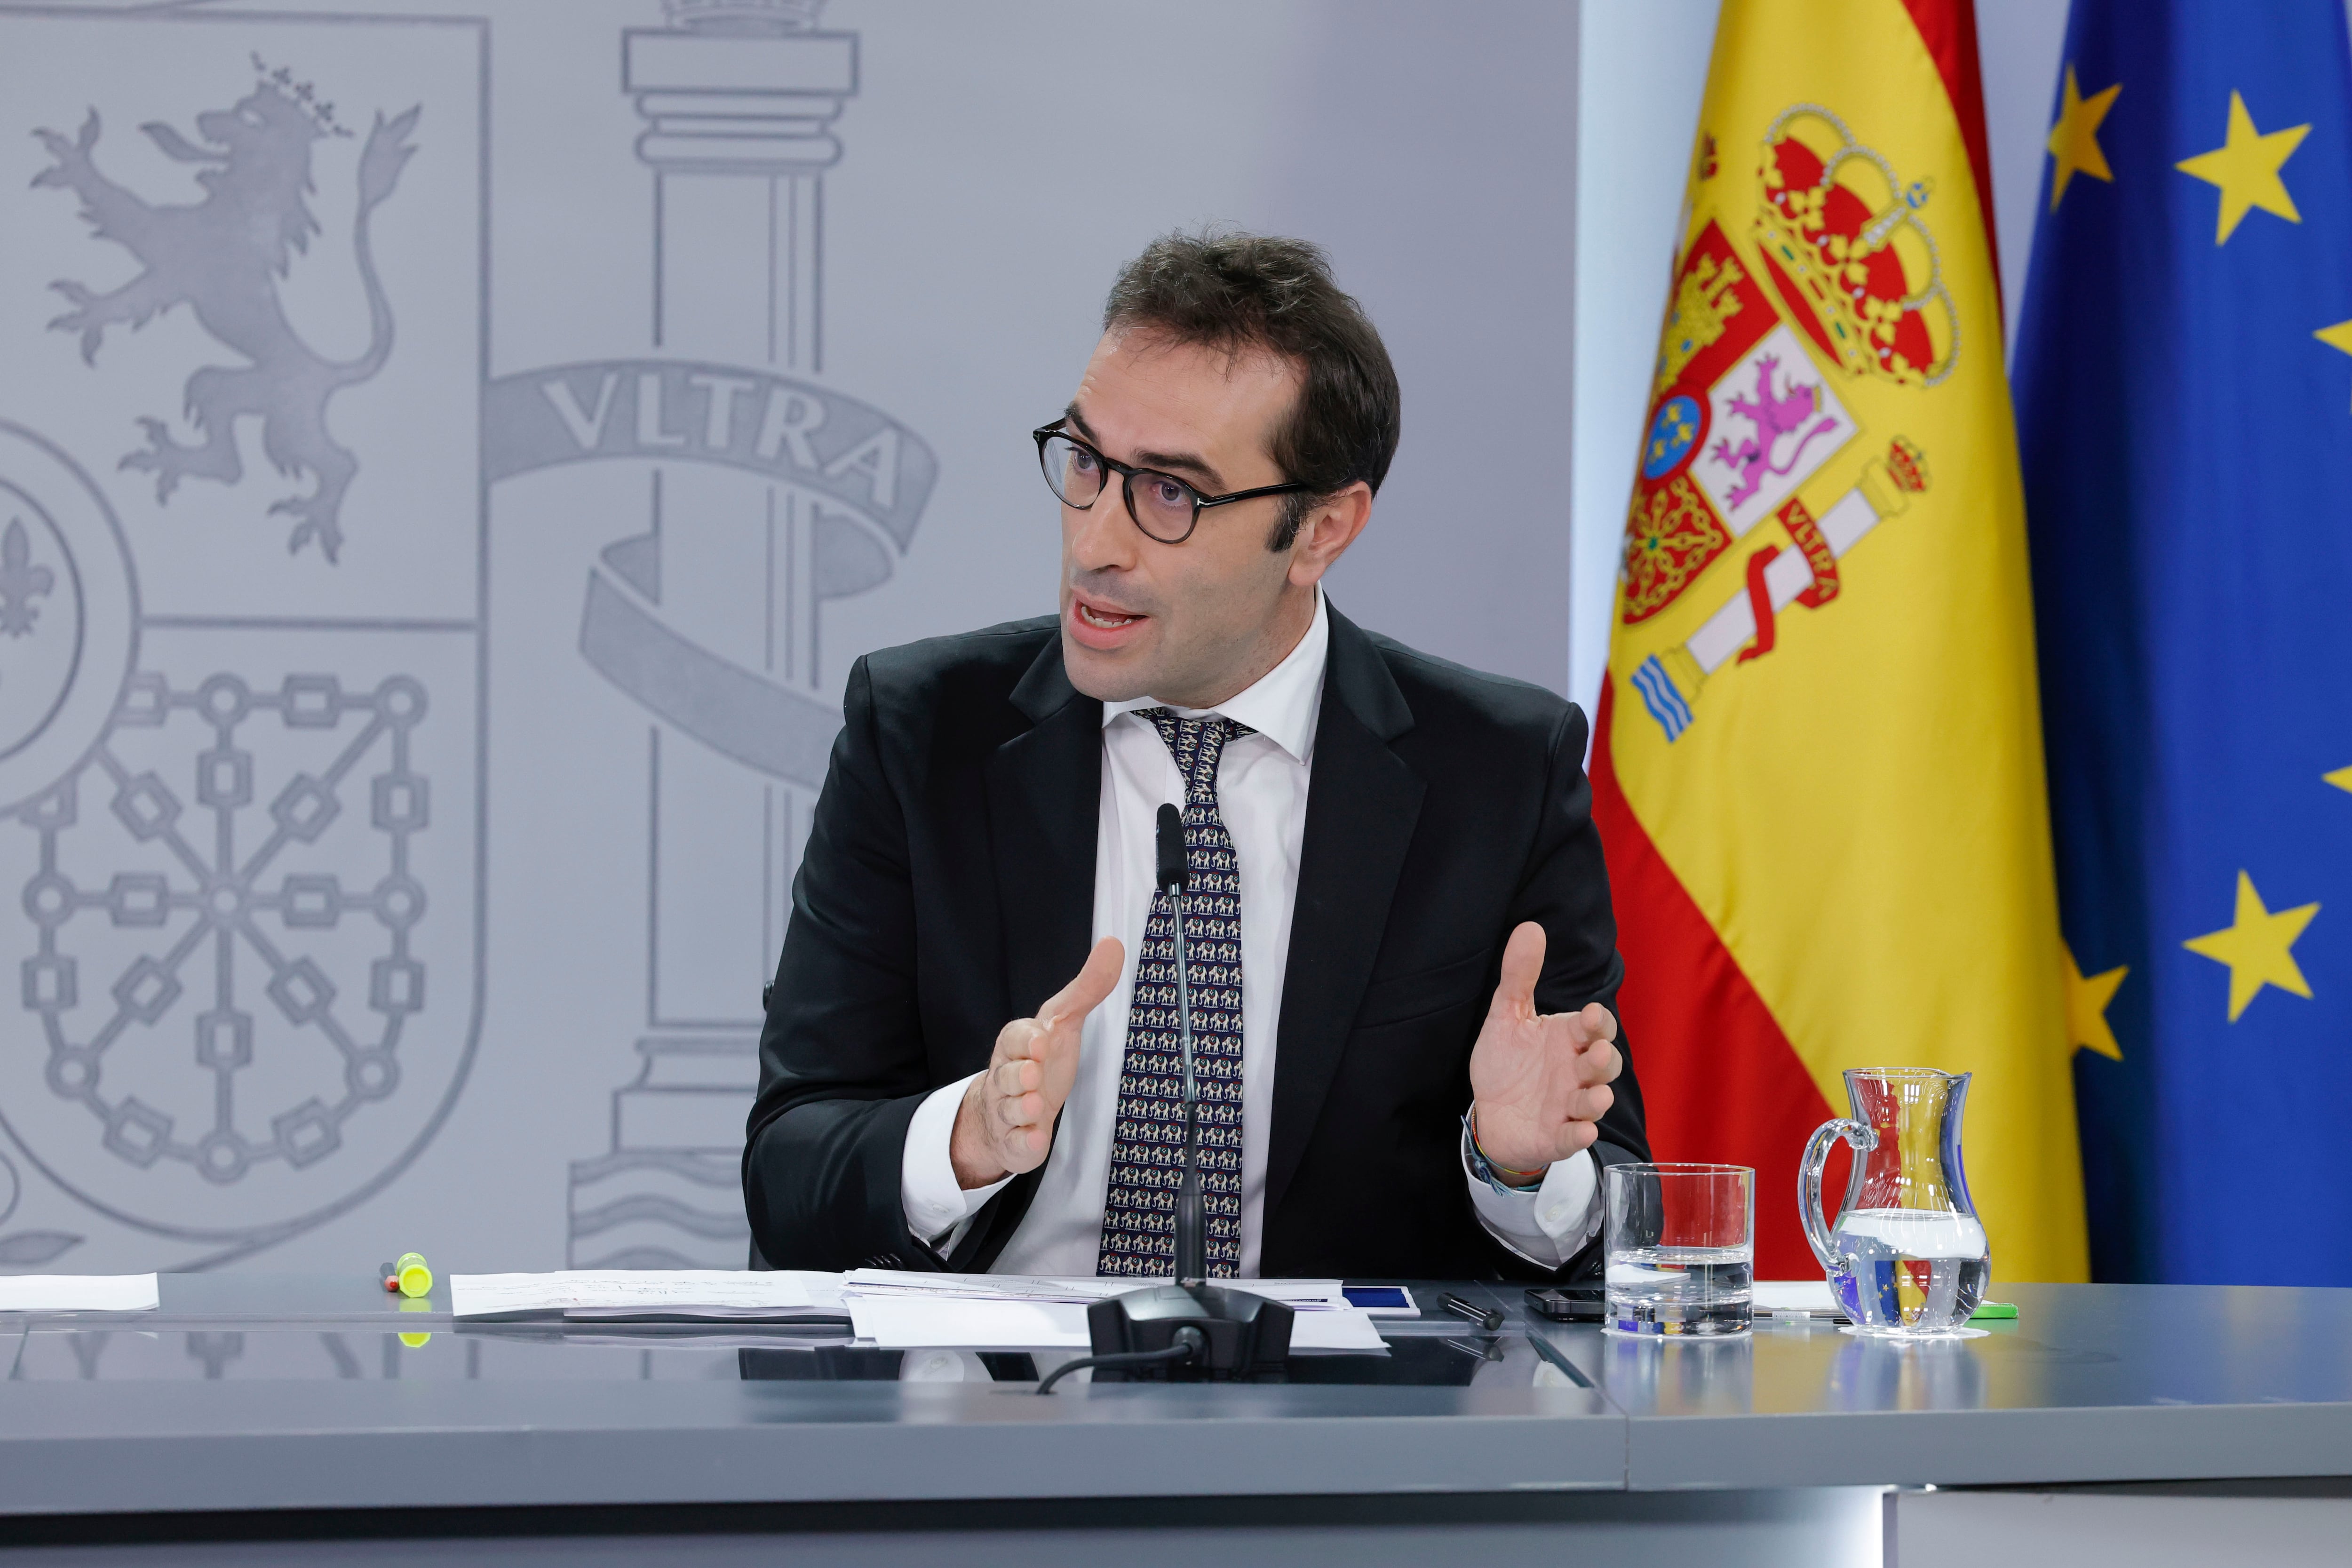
2184	391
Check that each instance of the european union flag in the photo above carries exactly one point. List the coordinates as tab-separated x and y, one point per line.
2184	393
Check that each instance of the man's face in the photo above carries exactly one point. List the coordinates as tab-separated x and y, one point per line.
1193	622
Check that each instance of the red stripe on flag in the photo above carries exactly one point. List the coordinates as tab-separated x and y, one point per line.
1719	1080
1948	28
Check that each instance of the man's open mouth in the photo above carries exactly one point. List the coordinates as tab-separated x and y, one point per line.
1107	620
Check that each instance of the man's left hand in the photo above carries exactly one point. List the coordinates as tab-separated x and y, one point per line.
1540	1081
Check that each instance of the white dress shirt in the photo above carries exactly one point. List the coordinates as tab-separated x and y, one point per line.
1262	783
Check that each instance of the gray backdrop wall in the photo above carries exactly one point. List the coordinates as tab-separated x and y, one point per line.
450	454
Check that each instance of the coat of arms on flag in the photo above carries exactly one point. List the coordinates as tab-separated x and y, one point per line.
1744	416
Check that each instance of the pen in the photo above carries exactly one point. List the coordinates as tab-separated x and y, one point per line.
1487	1318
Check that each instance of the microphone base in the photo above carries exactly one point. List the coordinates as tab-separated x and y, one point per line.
1248	1336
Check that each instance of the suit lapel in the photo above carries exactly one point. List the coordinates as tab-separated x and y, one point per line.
1044	796
1362	802
1044	792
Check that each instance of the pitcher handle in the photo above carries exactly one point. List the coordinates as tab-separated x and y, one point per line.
1857	1134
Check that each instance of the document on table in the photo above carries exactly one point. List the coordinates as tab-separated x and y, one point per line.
962	1312
642	1294
77	1293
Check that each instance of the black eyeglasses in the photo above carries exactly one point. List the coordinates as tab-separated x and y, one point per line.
1166	508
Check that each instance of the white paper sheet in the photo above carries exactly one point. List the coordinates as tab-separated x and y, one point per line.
77	1293
681	1293
911	1323
1300	1295
1810	1297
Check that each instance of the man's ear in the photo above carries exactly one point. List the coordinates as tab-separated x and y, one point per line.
1327	533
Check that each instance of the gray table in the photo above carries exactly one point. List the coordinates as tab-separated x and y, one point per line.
253	1407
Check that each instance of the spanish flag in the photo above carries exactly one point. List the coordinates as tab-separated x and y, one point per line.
1818	771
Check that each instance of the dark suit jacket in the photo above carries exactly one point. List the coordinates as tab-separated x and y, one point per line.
948	886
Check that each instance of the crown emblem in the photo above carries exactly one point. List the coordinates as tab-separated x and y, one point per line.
1907	465
1843	238
302	94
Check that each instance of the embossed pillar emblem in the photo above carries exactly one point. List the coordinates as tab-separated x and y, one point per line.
769	496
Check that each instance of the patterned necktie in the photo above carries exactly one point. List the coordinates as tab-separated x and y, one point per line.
1147	1154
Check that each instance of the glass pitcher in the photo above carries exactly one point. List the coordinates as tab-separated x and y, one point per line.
1907	1258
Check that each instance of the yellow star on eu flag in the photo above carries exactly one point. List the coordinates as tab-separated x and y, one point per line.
2257	946
2075	139
2246	167
2338	336
2086	1008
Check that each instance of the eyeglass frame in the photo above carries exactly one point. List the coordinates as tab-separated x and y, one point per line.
1127	484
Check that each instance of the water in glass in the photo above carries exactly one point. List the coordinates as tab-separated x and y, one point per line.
1682	1290
1909	1267
1679	1243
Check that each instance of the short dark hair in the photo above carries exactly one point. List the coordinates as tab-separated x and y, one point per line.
1242	291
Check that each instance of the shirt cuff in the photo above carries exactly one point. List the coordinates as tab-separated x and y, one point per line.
1547	1224
934	1202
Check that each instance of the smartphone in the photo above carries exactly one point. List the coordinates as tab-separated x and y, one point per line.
1381	1300
1568	1303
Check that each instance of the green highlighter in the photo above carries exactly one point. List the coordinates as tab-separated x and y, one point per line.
1987	1311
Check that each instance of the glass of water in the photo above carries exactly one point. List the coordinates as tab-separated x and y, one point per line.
1680	1243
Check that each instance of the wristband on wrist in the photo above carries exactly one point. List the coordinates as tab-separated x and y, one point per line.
1503	1179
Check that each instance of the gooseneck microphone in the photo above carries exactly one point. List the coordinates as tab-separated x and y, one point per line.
1191	1228
1189	1328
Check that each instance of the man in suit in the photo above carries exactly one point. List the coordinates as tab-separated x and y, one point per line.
1402	956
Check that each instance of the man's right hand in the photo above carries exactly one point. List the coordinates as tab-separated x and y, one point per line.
1005	1124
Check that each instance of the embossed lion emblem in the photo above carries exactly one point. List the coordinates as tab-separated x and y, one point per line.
222	257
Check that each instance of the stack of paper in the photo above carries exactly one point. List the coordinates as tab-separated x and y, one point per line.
894	1309
644	1295
905	1310
78	1293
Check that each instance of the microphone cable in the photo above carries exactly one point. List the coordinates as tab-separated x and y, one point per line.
1189	1343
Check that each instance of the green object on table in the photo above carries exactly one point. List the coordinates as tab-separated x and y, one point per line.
1992	1309
415	1277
